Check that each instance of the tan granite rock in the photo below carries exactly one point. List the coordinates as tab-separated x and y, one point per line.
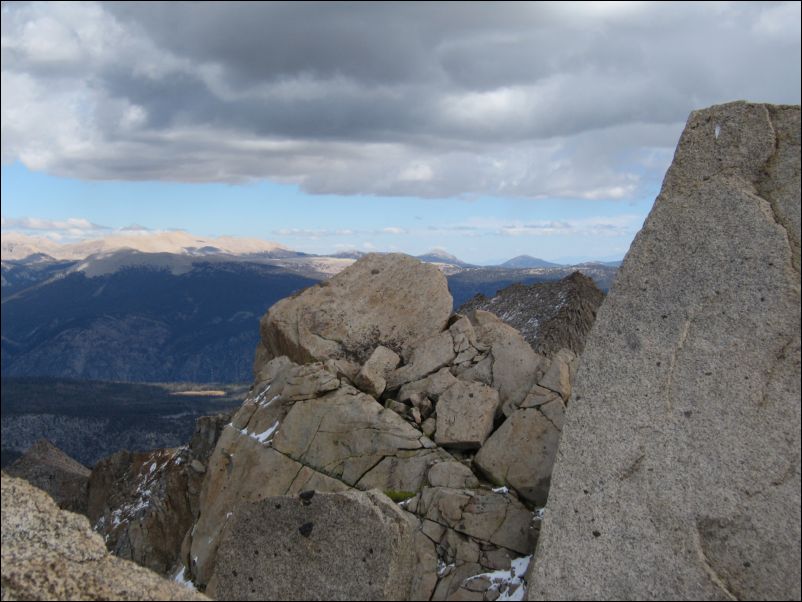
52	554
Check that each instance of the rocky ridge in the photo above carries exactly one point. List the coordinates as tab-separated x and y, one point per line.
47	467
549	315
143	503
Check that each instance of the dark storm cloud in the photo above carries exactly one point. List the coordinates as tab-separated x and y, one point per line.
431	99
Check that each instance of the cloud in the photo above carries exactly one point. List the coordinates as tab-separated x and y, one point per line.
624	225
571	100
317	233
35	223
70	229
620	225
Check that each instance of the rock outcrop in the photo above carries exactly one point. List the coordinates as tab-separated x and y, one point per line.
391	299
550	315
139	502
678	473
143	503
52	554
47	467
409	416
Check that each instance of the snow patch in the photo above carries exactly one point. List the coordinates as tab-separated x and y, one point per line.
181	578
510	584
443	568
501	490
262	437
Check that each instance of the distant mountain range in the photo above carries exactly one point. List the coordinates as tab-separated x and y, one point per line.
19	246
185	314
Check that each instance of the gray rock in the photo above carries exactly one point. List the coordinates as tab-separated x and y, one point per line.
424	573
344	434
452	474
516	367
560	374
52	554
483	515
432	386
678	473
481	370
372	377
346	546
245	467
465	415
521	454
404	472
399	408
538	396
431	355
389	299
555	412
309	381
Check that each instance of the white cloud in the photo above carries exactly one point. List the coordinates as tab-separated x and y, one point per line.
568	100
75	224
620	225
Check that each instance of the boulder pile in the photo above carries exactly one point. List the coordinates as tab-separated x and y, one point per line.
368	383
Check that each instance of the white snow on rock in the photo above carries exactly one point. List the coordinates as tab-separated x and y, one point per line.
510	584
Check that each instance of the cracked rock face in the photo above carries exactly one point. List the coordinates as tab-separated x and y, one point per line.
678	473
391	300
278	444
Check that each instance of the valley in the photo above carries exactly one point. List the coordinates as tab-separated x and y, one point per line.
90	420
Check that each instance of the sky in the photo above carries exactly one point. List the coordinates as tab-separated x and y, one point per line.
486	129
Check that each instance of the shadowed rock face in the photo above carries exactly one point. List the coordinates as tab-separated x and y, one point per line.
47	467
550	315
52	554
143	503
678	473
